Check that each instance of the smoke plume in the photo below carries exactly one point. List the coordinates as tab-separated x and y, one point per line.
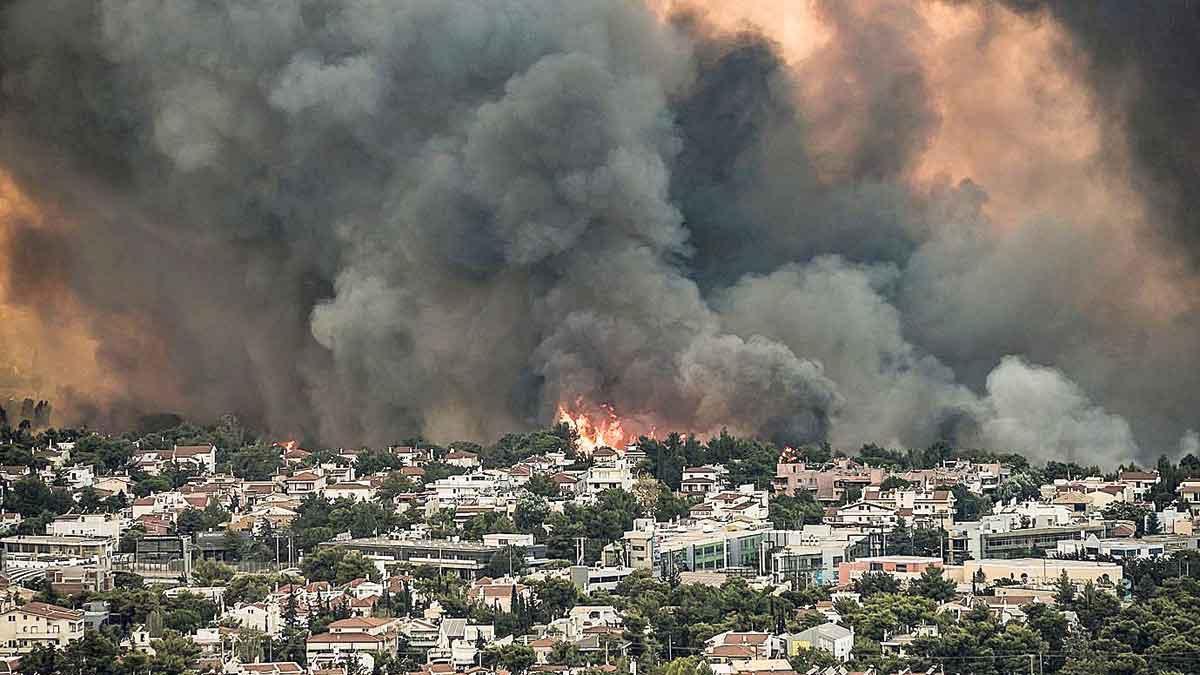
867	221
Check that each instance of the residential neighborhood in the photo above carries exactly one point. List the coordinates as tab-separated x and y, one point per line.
536	555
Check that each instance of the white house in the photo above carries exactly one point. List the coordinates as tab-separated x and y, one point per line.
829	637
357	491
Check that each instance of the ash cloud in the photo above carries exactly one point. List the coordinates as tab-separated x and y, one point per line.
361	221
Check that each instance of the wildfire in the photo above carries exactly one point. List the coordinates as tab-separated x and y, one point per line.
598	430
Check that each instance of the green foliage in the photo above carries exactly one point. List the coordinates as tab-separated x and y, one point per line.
969	506
515	658
487	523
554	598
793	513
514	448
530	514
247	588
541	486
30	497
604	522
257	462
211	573
890	613
894	483
338	565
872	583
931	584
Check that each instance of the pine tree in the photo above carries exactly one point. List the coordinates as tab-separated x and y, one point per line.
1064	594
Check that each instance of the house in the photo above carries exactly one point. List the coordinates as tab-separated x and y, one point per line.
81	476
700	480
583	617
452	631
865	513
304	483
421	633
498	595
462	459
358	491
86	525
410	456
200	457
262	616
363	588
331	648
38	623
1141	482
601	477
732	646
1189	493
829	637
114	485
568	484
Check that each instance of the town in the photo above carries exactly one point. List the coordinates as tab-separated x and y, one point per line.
209	550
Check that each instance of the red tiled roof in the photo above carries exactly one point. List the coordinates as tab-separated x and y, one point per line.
343	638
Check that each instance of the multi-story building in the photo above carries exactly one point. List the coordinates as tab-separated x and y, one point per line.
37	623
999	540
467	558
98	525
44	552
1125	548
828	483
904	567
1037	571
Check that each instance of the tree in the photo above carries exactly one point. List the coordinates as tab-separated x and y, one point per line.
94	654
894	482
42	659
565	653
969	506
515	658
554	597
257	462
246	589
871	583
931	584
793	513
1153	526
1064	593
510	559
691	665
531	513
542	486
190	520
487	523
173	654
211	572
338	565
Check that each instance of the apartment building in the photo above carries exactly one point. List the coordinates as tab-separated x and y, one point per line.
38	623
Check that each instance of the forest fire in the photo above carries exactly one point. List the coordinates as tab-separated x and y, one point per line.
596	430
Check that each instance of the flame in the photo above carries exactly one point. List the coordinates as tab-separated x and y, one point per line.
601	429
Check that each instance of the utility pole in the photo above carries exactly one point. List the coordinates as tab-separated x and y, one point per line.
670	654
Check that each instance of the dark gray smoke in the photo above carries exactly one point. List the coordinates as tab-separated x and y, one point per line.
363	220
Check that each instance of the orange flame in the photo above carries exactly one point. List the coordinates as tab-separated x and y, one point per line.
601	429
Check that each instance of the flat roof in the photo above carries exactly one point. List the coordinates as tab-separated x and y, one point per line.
899	559
54	539
385	542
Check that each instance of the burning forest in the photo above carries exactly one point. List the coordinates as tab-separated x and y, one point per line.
892	221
